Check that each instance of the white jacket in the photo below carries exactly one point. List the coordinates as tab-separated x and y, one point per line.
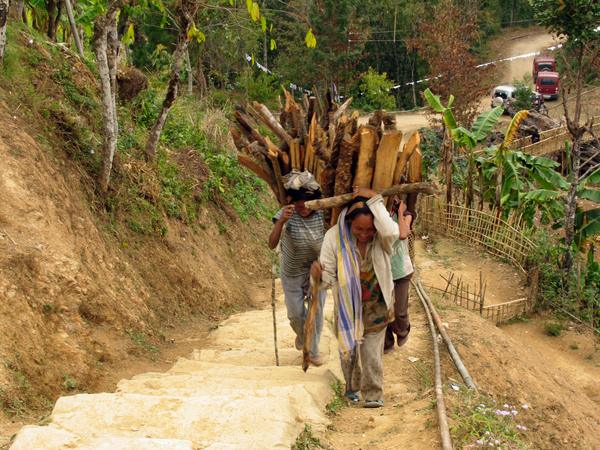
387	234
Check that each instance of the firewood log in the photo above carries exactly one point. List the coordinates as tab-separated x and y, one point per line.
389	122
343	174
369	141
278	178
270	121
240	141
244	121
430	188
295	154
409	147
376	119
386	159
249	164
415	175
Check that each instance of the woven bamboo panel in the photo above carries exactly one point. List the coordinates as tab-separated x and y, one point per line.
505	239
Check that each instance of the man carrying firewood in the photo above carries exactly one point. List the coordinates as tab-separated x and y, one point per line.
302	231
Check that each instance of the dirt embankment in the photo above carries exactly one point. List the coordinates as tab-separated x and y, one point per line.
82	304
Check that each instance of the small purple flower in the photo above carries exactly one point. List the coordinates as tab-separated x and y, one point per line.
524	406
487	432
496	442
479	441
505	405
523	428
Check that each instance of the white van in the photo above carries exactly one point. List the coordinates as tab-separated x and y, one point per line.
506	92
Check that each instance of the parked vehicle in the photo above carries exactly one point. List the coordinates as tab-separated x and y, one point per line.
547	85
503	95
543	64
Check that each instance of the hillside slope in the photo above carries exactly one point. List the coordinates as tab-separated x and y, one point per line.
81	291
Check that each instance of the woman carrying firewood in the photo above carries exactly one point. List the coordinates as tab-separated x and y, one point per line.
402	271
356	266
301	243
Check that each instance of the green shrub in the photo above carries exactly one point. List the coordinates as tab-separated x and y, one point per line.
554	329
376	92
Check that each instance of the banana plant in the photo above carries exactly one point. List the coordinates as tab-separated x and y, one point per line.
466	140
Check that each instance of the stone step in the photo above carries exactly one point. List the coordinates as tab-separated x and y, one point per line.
51	438
309	401
268	422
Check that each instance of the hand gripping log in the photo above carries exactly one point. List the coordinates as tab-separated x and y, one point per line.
309	322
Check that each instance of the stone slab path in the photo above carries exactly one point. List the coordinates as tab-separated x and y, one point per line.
231	396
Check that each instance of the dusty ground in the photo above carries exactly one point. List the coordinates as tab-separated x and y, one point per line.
518	364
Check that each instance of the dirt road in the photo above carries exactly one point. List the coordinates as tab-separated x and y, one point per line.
517	43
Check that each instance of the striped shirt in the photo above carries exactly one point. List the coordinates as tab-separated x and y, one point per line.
301	242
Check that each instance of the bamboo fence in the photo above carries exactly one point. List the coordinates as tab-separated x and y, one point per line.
473	299
505	239
550	141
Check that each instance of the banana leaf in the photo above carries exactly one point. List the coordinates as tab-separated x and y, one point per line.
485	122
587	225
590	194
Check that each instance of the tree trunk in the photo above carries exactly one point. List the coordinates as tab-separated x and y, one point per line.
107	87
186	12
189	69
51	8
16	10
74	27
3	20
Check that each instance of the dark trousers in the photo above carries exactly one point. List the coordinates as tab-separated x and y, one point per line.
401	324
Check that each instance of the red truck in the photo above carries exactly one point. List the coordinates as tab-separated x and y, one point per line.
543	64
547	85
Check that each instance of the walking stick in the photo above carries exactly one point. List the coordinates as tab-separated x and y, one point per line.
308	323
273	276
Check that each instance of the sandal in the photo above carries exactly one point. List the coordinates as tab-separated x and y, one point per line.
354	396
374	403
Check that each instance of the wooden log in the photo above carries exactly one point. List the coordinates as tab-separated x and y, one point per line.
389	122
376	119
239	140
369	141
272	123
319	103
301	157
310	110
273	156
415	175
385	161
244	121
343	173
430	188
295	154
415	172
254	148
308	324
338	113
249	164
409	147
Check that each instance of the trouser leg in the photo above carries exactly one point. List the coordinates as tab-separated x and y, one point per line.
297	311
352	371
371	359
401	324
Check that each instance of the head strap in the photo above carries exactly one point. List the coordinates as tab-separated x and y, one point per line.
356	206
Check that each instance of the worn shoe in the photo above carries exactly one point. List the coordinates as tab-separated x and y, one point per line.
374	403
354	396
316	360
299	343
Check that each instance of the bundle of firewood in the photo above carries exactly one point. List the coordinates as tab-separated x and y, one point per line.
320	137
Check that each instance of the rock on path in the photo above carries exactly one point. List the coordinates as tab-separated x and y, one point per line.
229	397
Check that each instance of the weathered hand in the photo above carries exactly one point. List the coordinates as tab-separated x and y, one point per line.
316	270
401	208
287	213
360	191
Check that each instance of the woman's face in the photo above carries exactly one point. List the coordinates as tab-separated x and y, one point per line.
301	209
363	227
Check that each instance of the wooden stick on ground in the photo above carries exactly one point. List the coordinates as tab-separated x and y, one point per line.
309	322
430	188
